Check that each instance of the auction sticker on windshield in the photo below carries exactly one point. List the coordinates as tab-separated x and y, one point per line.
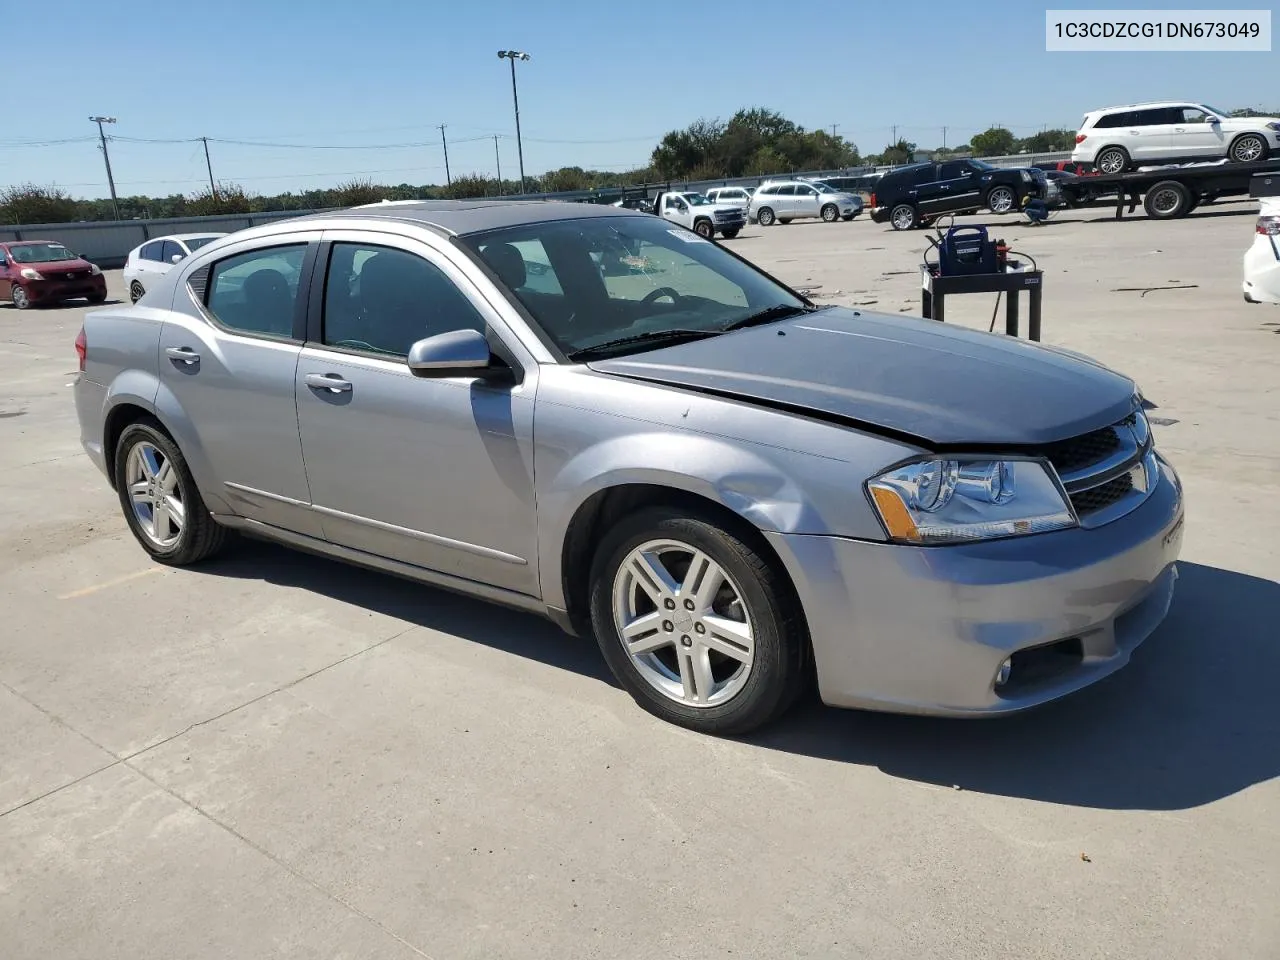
686	236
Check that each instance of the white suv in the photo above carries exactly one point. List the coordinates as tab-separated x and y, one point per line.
1116	139
738	196
782	201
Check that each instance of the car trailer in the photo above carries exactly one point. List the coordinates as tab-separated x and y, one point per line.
1169	192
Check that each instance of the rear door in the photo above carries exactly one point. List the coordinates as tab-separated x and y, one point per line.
958	186
932	195
1150	134
228	358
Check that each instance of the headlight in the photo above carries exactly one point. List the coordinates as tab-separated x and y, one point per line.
29	274
951	501
95	270
1274	126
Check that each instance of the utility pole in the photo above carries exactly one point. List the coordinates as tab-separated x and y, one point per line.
513	56
944	138
893	140
833	130
213	189
115	206
448	180
497	159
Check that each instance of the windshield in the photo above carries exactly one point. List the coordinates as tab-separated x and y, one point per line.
600	279
981	165
697	199
195	243
1221	113
40	253
826	188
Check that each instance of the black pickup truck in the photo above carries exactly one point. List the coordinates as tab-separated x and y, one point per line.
917	194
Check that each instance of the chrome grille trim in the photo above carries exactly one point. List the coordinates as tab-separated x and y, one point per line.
1128	470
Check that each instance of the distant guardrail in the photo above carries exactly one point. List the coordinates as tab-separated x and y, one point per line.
108	242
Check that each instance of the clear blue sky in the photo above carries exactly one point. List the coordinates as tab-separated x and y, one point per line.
605	81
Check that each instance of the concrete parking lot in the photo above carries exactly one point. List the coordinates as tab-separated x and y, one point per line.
278	756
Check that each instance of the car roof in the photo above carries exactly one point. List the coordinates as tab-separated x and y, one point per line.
461	217
1145	103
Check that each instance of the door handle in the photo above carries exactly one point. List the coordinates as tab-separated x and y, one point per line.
1179	129
327	381
182	354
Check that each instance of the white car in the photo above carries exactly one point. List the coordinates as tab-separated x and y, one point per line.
153	259
1116	139
1262	261
781	201
737	196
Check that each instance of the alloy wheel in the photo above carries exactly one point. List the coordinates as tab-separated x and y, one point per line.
1111	161
1248	149
903	217
684	623
156	495
20	298
135	291
1000	200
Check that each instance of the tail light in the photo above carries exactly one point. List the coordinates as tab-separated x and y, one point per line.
1081	137
82	348
872	201
1269	226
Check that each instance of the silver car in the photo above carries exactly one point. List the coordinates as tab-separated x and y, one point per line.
781	201
588	413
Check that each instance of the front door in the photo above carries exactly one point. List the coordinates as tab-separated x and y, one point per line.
6	265
227	366
437	473
806	201
1195	136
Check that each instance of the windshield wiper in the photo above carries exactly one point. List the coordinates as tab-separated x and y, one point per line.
652	338
779	311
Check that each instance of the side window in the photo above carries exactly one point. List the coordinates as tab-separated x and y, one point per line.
171	250
926	174
151	251
806	192
257	292
385	300
1193	115
952	169
1148	118
787	191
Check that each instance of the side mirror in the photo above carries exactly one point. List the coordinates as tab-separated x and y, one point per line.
458	353
175	258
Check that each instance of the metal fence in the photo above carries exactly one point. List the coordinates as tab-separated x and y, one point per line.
108	242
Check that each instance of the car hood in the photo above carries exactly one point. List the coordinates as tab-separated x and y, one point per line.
53	269
945	386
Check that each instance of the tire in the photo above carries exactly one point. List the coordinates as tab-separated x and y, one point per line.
1112	160
784	220
1167	200
1249	148
1002	199
731	233
732	693
141	458
903	216
848	217
765	217
97	298
19	297
136	292
704	229
830	213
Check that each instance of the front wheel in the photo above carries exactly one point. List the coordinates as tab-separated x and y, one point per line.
96	298
161	504
730	233
765	217
830	213
19	297
704	229
697	624
1249	149
1001	199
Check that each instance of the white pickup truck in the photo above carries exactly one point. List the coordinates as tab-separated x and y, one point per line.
706	219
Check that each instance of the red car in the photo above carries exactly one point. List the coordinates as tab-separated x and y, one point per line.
44	271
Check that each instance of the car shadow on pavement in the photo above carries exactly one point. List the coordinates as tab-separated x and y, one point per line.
493	625
1194	717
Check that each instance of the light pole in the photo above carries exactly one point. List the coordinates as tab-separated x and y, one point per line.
513	56
110	180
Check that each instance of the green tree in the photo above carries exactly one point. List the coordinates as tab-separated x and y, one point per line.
1047	141
353	193
29	203
230	198
993	142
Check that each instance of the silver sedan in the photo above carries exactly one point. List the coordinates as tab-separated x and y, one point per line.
591	414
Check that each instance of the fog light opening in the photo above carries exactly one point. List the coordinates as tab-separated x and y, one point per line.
1003	674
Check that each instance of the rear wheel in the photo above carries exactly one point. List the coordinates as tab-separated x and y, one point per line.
903	216
765	217
1249	148
135	292
704	229
161	504
19	297
1166	200
697	623
1112	160
830	213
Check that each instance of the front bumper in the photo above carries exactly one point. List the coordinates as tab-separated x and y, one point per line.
1262	271
51	291
925	629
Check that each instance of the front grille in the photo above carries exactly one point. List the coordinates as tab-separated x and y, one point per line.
1068	456
1102	496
